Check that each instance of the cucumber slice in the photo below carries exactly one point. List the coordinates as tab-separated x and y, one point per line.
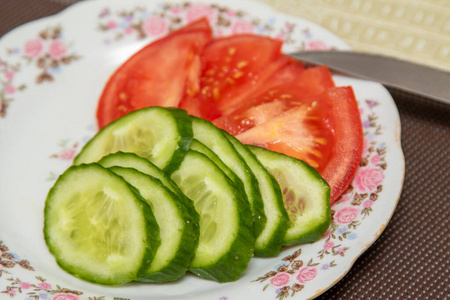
226	240
200	147
306	195
178	231
269	242
98	227
131	160
159	134
213	138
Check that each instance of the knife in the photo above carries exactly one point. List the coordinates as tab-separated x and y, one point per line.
393	73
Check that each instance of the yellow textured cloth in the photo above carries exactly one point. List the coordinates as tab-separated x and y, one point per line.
415	30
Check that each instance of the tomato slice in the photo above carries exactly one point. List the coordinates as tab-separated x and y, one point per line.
289	86
348	146
326	133
232	68
157	75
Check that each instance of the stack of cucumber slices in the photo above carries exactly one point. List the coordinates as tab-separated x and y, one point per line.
158	193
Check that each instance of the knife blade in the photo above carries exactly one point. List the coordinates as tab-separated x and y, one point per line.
393	73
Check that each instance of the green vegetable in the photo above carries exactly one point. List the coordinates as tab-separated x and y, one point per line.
306	195
159	134
213	138
98	227
226	240
269	242
178	233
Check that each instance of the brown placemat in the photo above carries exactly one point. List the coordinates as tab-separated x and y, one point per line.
411	259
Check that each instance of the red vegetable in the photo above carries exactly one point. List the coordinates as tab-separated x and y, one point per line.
245	85
157	75
326	133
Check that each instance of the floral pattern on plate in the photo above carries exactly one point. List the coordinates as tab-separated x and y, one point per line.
293	273
37	289
141	23
45	54
48	52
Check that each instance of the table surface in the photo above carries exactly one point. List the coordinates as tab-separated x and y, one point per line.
411	259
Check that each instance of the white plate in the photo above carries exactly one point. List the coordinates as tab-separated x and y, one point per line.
51	74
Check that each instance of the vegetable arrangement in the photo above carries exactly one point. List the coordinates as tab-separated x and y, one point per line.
208	159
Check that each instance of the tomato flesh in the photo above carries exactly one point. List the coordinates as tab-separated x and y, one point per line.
301	131
291	86
232	67
326	133
157	75
246	86
347	152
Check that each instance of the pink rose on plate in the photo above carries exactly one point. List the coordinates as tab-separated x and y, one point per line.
341	250
45	285
128	30
57	49
9	75
154	26
67	153
375	159
316	45
33	47
368	203
111	24
346	214
25	285
198	10
367	179
328	245
280	279
65	297
306	274
241	26
175	10
10	89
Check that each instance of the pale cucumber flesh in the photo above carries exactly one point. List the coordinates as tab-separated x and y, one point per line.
97	227
306	195
226	241
178	233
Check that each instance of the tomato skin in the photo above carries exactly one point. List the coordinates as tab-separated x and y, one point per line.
346	157
326	133
157	75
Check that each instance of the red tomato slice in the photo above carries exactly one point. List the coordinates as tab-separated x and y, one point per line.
157	75
232	68
326	133
289	86
347	152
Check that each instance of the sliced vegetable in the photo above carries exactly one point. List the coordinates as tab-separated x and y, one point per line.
200	147
326	133
306	195
348	136
214	139
157	75
159	134
226	240
98	228
232	67
179	235
131	160
290	87
269	242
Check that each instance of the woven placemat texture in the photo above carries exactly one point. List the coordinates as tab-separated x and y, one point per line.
411	259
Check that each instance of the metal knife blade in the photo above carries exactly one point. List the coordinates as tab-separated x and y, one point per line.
394	73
